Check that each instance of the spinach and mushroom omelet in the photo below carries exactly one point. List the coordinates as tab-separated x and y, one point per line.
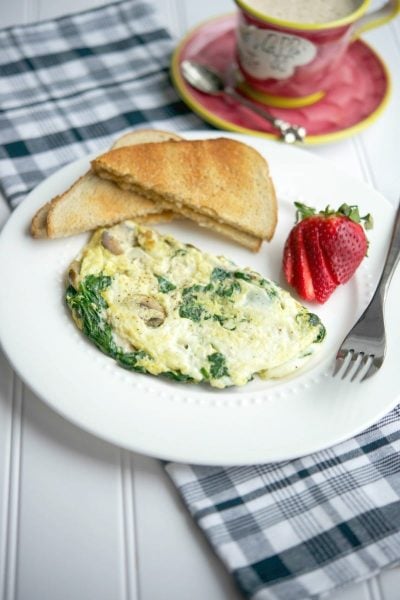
163	307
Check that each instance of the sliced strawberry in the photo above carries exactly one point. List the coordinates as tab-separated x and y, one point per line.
302	280
288	267
344	245
323	282
324	249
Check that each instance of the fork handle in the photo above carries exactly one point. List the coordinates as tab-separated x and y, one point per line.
392	257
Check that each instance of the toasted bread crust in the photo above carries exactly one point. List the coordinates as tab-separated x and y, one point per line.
38	227
92	202
144	136
164	216
241	237
222	179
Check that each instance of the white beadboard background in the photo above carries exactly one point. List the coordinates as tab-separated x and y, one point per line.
83	520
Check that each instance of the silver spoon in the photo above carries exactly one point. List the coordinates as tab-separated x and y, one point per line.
207	80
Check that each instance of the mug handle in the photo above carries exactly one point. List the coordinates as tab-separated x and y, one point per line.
378	17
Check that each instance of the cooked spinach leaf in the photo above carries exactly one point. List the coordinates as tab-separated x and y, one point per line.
244	276
228	323
205	373
177	376
164	285
321	335
129	360
254	278
219	274
222	287
87	304
191	308
179	252
196	288
218	366
313	320
227	288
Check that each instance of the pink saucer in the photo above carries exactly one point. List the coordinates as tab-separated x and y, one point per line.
353	102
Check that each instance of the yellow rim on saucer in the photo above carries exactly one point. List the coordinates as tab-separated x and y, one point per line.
220	123
306	26
279	101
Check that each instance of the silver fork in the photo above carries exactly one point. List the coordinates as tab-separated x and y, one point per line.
363	349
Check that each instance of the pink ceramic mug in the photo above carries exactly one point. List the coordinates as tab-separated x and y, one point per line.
290	64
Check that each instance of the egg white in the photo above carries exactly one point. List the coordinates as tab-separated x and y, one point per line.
234	325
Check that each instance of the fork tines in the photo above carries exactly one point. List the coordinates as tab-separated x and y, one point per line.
349	362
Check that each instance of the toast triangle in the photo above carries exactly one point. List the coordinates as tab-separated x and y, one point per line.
92	202
219	179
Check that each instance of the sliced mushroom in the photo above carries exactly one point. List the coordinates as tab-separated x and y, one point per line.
111	243
155	321
149	302
73	274
148	309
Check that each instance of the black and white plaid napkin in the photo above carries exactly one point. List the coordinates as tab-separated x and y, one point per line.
288	531
70	85
298	529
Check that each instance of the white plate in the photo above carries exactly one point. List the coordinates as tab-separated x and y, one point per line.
261	422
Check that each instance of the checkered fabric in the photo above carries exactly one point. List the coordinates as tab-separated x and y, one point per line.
299	529
287	531
69	85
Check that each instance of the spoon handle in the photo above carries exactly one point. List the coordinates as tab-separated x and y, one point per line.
289	132
248	104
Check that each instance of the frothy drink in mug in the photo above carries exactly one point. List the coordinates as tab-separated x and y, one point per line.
288	50
306	11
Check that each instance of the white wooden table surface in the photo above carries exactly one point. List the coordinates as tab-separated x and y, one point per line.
83	520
